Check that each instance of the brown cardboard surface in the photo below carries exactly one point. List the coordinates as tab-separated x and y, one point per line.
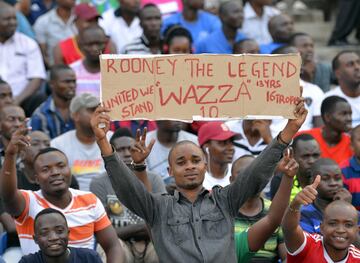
185	87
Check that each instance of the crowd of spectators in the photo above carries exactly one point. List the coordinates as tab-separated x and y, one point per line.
150	191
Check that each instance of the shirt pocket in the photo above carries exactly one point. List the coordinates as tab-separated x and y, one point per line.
214	225
179	228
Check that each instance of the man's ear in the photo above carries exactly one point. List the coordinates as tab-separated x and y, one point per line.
169	171
35	239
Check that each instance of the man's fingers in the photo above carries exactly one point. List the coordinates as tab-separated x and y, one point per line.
143	136
316	182
301	90
138	135
151	144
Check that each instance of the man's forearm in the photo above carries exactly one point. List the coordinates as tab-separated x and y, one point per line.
115	254
29	90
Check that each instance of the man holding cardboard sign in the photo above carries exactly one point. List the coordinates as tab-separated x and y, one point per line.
193	225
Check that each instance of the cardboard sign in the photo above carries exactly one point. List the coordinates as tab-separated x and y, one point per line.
188	87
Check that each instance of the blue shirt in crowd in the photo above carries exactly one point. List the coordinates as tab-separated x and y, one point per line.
37	9
205	24
269	48
217	43
351	173
311	218
48	119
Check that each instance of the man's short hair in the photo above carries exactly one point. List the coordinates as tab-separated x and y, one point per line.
335	62
54	70
120	132
48	150
178	144
329	103
297	34
47	211
301	137
148	5
316	166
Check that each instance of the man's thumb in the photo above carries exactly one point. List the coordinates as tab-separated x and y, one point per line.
316	182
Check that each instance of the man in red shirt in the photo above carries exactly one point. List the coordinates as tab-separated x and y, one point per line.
339	230
332	138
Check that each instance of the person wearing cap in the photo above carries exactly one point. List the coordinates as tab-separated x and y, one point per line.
216	140
193	224
54	26
68	51
79	145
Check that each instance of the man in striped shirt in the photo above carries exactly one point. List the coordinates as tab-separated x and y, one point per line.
84	212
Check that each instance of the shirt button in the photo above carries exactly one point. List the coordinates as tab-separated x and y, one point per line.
197	219
199	237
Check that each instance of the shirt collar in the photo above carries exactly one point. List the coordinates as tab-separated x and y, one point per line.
328	258
56	18
178	195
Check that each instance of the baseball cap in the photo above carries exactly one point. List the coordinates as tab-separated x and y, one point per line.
85	100
217	131
86	11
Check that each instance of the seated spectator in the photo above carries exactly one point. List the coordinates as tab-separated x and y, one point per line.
25	70
177	40
261	218
255	135
312	71
150	41
281	27
68	51
332	138
246	46
6	96
166	136
53	115
221	40
175	220
125	20
257	14
306	153
51	233
313	96
339	229
198	22
130	228
92	43
216	140
84	212
346	66
54	26
351	169
330	188
79	145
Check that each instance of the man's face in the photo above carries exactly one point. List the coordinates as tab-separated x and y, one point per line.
305	46
331	181
340	119
82	24
52	173
38	141
93	43
180	45
51	234
188	166
64	85
194	4
123	146
130	6
169	126
11	118
82	119
306	153
8	22
233	15
221	151
339	227
151	22
6	96
247	47
69	4
349	69
283	27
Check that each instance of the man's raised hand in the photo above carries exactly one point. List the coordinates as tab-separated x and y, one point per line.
307	195
288	165
19	140
139	152
100	122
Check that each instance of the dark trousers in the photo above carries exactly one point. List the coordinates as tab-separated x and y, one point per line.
348	18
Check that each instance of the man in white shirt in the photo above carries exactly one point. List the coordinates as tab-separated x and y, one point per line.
216	140
257	14
79	145
123	24
346	66
21	63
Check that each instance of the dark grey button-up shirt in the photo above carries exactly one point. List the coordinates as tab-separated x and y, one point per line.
202	231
